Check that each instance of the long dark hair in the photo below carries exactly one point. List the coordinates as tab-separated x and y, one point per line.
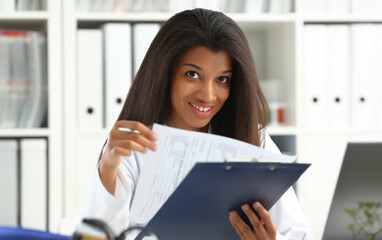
148	100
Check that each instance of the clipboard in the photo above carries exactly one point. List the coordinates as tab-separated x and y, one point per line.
199	207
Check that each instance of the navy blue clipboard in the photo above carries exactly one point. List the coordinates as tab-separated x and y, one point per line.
198	208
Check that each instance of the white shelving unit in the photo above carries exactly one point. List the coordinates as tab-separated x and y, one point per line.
277	42
48	21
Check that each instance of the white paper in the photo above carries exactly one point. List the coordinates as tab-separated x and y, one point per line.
178	151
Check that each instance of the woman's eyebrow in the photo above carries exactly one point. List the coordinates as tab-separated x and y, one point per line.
193	65
201	69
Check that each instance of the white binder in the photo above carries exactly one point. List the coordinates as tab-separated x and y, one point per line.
118	69
338	6
210	4
378	77
34	183
276	6
8	182
316	74
315	6
363	7
338	76
363	68
254	6
143	35
7	5
180	5
90	79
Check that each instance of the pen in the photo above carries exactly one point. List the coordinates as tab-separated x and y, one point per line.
128	130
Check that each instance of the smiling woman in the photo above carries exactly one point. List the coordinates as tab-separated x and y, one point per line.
198	75
200	87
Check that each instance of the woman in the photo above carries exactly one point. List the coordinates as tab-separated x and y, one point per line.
198	75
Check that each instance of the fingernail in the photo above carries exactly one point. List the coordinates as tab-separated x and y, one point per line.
256	205
233	215
155	147
245	207
154	136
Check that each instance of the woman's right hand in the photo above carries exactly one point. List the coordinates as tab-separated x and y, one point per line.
122	144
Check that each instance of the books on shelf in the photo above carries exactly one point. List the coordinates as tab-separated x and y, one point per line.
249	6
342	75
273	92
23	79
356	7
23	181
21	5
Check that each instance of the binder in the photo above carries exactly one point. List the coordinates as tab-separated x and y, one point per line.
254	6
8	182
7	5
338	76
199	207
90	79
16	233
118	69
211	4
316	74
34	183
338	7
315	6
277	6
378	87
180	5
143	35
363	95
363	7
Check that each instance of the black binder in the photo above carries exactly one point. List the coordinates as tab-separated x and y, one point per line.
199	207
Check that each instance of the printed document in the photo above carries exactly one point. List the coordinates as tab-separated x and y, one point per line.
178	151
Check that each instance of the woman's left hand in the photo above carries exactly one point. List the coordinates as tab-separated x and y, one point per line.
263	229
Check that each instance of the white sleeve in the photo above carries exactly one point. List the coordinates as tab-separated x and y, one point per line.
114	210
286	213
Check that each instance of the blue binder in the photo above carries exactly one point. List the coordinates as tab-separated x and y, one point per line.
199	207
18	233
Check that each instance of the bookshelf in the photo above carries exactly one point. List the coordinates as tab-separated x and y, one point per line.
277	42
48	21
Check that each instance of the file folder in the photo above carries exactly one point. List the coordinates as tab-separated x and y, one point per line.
199	207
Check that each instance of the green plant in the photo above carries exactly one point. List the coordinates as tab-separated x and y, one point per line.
367	219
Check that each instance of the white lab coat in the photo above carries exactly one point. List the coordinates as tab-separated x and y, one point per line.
114	210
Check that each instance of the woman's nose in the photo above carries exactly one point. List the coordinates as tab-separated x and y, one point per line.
208	91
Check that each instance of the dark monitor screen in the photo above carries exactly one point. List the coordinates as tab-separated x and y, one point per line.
357	201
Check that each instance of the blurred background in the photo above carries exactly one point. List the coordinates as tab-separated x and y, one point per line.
63	83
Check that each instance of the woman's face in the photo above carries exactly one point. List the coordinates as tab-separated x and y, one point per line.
200	86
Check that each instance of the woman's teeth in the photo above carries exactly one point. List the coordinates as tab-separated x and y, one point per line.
202	109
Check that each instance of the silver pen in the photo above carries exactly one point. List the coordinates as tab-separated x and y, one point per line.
128	130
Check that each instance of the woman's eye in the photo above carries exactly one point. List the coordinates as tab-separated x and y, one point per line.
192	74
223	79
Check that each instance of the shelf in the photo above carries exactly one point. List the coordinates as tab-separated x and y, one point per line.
281	130
8	133
100	132
162	17
342	19
24	16
343	132
122	17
